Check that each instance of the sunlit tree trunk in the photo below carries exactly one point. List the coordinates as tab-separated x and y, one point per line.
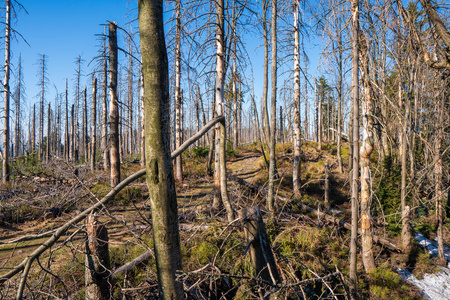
113	106
297	134
94	123
219	107
355	158
66	124
17	140
160	179
41	108
273	108
105	147
365	152
142	102
178	99
49	117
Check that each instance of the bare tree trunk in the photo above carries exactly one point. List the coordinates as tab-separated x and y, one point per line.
49	116
105	147
94	123
263	260
355	158
142	121
219	91
320	100
297	129
72	134
273	108
129	141
265	110
439	185
33	129
66	125
41	110
114	109
339	88
76	134
85	127
97	263
365	152
17	129
306	97
178	100
160	179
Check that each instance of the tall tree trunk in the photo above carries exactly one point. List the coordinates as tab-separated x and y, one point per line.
142	90
66	125
355	158
33	130
129	141
17	129
49	117
365	152
297	129
160	179
114	106
72	134
41	110
105	147
178	100
340	100
265	111
94	123
439	185
320	101
219	107
306	97
85	126
273	108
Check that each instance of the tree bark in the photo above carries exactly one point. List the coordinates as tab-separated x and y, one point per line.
355	158
105	148
97	263
66	125
114	109
160	179
297	129
219	94
94	123
47	152
178	99
6	93
273	108
365	152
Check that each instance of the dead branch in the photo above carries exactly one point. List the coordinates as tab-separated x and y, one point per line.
331	219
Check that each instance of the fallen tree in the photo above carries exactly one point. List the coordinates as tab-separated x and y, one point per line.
331	219
26	263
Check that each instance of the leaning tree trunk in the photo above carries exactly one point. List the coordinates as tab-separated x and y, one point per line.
160	179
219	93
297	129
355	158
113	106
365	152
6	133
273	108
94	122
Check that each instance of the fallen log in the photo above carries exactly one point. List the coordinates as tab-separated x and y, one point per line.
129	266
331	219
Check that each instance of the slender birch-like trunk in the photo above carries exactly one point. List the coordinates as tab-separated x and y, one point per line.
219	106
365	152
178	98
355	158
105	146
273	108
297	131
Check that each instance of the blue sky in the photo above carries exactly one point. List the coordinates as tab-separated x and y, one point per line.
65	29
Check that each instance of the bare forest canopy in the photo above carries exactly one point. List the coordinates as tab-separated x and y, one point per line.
227	150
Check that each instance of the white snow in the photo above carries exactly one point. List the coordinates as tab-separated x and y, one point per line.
433	286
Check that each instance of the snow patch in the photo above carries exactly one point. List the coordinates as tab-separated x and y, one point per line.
433	286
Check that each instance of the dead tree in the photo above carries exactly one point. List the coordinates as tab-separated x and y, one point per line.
105	148
113	106
258	242
97	263
297	130
160	177
6	93
94	123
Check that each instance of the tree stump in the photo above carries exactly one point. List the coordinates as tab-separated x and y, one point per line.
260	250
97	264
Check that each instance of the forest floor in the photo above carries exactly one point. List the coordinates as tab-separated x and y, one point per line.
44	197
